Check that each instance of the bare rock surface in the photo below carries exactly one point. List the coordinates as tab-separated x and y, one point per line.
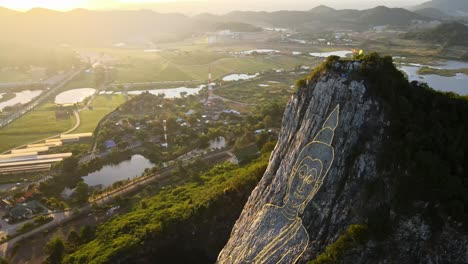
270	230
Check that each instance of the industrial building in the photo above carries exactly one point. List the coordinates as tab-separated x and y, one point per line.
33	157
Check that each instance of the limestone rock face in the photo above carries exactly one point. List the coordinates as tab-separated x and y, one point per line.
269	230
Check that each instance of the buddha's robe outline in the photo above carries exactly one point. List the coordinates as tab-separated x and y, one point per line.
290	239
286	237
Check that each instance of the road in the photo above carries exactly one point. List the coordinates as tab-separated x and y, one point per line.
150	83
59	218
77	123
231	101
63	217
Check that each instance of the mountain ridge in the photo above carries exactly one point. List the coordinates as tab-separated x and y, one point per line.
84	26
450	7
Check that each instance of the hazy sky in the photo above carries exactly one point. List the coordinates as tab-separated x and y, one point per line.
202	5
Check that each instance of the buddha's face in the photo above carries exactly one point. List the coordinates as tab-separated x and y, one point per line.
305	181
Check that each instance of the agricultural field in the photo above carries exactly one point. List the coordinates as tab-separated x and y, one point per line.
18	75
84	80
35	125
268	87
99	108
132	65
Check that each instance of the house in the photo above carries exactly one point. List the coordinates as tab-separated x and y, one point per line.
110	144
190	112
20	212
29	193
259	131
4	204
229	111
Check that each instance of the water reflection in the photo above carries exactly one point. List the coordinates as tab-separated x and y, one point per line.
110	174
457	84
341	53
23	97
74	96
171	92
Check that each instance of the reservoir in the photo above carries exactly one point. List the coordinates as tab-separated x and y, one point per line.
171	92
23	97
74	96
110	174
457	84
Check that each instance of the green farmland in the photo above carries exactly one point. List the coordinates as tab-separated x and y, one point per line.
100	107
35	125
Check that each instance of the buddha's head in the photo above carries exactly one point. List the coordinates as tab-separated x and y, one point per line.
312	165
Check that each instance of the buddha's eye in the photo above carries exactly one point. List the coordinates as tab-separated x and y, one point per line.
303	171
312	176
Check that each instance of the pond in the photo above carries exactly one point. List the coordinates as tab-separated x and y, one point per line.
341	53
237	77
23	97
457	84
171	92
74	96
110	174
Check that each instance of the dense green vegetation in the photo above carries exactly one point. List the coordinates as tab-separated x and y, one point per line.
175	224
354	236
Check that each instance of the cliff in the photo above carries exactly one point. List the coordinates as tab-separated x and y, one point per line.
347	181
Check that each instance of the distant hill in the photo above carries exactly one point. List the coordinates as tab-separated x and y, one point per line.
382	15
83	27
322	9
433	13
452	33
238	27
451	7
324	17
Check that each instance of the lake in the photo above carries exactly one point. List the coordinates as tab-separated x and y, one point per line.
237	77
457	84
23	97
110	174
171	92
74	96
341	53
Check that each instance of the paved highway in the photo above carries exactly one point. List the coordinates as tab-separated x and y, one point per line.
41	98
